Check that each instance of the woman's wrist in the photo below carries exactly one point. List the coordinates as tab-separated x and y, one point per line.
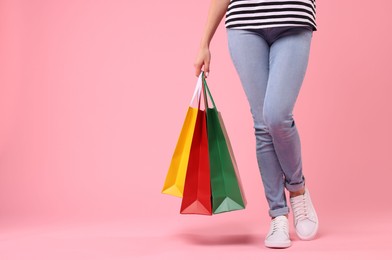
204	46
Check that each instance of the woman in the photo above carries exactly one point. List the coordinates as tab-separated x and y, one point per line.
269	43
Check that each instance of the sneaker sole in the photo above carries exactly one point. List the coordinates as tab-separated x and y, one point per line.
277	245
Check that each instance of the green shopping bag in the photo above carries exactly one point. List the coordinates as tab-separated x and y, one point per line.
227	192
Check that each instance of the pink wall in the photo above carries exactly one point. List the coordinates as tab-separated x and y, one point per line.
93	94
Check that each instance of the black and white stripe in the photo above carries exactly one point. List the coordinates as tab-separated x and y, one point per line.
254	14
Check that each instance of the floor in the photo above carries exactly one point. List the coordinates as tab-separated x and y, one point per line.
189	237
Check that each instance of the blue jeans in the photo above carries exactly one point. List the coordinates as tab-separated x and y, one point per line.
271	64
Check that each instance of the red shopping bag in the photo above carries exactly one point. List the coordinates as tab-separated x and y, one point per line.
197	188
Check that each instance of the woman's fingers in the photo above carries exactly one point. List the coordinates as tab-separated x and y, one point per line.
202	62
207	68
198	68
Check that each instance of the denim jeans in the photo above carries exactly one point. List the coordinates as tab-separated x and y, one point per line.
271	64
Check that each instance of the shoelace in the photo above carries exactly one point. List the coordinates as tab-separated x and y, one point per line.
299	207
278	225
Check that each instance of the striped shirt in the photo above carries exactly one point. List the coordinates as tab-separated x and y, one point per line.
255	14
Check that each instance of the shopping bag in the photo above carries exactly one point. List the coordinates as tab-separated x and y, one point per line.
232	157
227	192
197	189
175	178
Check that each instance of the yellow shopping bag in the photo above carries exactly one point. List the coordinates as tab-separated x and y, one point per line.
175	178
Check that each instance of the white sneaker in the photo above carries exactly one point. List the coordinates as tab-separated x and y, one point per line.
305	217
278	235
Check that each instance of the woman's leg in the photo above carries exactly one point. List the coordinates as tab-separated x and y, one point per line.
251	54
288	62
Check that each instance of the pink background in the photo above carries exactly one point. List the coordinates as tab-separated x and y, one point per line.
92	98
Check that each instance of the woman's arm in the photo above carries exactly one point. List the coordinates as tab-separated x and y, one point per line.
215	14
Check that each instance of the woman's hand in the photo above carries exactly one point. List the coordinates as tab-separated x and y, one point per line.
203	61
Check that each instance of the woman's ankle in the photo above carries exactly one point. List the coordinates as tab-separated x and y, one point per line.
297	193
